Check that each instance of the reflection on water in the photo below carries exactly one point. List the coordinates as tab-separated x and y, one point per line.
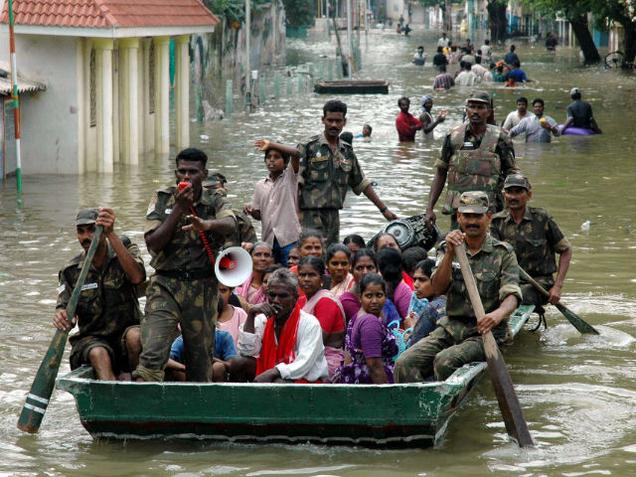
577	392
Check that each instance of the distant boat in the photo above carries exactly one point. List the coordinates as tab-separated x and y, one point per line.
352	87
386	415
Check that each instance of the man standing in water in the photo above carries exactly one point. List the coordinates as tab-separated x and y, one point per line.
538	128
536	238
328	167
183	289
108	303
428	123
405	123
457	340
475	156
515	117
580	113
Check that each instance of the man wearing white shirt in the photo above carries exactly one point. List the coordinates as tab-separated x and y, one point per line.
539	128
444	41
486	50
285	341
466	77
481	72
515	117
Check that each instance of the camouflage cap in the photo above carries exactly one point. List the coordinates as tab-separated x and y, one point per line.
517	180
86	217
473	202
479	97
215	180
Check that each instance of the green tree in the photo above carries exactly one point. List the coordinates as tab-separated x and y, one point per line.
623	12
497	19
300	13
576	12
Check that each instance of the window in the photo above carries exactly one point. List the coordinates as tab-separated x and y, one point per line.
92	89
151	78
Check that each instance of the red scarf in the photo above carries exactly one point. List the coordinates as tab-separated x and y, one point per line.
273	354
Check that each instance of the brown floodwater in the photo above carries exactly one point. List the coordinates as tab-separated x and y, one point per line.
578	392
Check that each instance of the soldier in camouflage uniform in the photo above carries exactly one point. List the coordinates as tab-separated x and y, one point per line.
184	288
457	340
244	234
108	306
475	156
328	167
536	238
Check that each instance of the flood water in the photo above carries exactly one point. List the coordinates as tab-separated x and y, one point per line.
578	392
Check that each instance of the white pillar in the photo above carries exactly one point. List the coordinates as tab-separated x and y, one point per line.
104	60
182	90
162	95
130	143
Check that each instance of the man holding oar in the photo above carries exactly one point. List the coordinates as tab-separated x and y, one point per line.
183	289
108	304
536	238
458	338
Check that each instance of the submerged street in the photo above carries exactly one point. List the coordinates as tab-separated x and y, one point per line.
578	392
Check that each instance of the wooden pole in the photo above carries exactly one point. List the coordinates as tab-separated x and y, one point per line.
506	396
15	96
38	398
248	66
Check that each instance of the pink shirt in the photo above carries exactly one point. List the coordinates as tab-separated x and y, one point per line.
233	325
402	298
277	201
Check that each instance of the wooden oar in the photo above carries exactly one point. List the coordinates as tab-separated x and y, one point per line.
38	398
506	395
579	323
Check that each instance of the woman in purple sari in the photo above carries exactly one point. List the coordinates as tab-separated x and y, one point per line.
369	345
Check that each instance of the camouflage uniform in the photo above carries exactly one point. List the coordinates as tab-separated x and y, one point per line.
456	340
244	231
183	290
484	167
535	240
323	180
107	306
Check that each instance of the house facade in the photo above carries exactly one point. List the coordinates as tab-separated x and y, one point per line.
105	64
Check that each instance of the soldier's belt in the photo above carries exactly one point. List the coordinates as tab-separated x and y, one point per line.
186	274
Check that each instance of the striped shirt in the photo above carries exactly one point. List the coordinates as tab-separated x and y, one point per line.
443	81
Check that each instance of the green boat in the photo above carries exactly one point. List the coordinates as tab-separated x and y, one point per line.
352	87
411	415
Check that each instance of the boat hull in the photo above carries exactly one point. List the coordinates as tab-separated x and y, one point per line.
352	87
392	415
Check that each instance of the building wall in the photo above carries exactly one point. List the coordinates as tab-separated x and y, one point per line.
221	55
49	119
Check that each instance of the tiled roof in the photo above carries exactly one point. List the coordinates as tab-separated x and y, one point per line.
25	85
110	13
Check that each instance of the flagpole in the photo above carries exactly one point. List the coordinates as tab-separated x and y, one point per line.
16	99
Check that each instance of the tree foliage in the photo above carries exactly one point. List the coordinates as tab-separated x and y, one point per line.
619	11
300	13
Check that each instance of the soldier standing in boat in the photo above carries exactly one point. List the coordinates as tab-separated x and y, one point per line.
475	156
108	308
328	167
536	238
183	289
457	340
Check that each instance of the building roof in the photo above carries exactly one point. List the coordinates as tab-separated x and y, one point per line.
24	85
110	14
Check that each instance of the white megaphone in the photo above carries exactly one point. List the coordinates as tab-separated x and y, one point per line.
233	266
